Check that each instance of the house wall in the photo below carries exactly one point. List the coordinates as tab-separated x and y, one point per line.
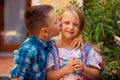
57	4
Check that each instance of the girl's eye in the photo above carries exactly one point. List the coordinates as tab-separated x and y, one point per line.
66	22
75	24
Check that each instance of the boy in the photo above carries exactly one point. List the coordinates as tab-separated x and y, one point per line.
30	58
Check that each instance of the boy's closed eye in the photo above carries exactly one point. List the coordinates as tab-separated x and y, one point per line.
56	21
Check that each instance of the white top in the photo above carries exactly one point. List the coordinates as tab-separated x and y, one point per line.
93	58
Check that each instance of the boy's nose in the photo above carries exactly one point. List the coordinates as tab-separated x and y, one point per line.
59	23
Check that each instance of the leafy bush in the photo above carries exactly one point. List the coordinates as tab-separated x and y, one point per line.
101	24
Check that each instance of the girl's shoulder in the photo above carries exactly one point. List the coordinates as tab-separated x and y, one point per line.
88	46
58	44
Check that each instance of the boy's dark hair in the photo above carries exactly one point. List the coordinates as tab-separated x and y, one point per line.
35	17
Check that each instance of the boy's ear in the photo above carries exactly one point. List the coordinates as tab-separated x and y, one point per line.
44	31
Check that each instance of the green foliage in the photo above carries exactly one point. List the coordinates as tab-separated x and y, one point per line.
75	3
111	67
101	24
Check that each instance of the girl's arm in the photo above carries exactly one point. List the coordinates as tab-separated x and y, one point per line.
91	72
57	74
94	62
54	74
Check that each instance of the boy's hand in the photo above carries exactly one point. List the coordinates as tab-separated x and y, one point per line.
77	42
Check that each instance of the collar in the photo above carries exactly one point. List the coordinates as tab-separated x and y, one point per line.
38	41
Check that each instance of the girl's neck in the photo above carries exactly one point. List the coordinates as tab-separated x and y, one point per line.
66	43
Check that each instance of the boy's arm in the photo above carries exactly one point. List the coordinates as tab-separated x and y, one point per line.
77	42
22	62
15	79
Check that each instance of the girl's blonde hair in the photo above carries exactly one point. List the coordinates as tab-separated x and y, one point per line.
78	14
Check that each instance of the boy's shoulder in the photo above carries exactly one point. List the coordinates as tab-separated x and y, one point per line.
29	46
33	41
33	44
52	40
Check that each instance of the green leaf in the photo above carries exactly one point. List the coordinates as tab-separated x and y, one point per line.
109	27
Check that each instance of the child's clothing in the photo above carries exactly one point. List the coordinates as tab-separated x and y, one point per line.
30	60
61	56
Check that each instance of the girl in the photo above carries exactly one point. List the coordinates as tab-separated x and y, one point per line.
65	63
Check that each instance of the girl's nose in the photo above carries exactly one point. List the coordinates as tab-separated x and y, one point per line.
71	26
